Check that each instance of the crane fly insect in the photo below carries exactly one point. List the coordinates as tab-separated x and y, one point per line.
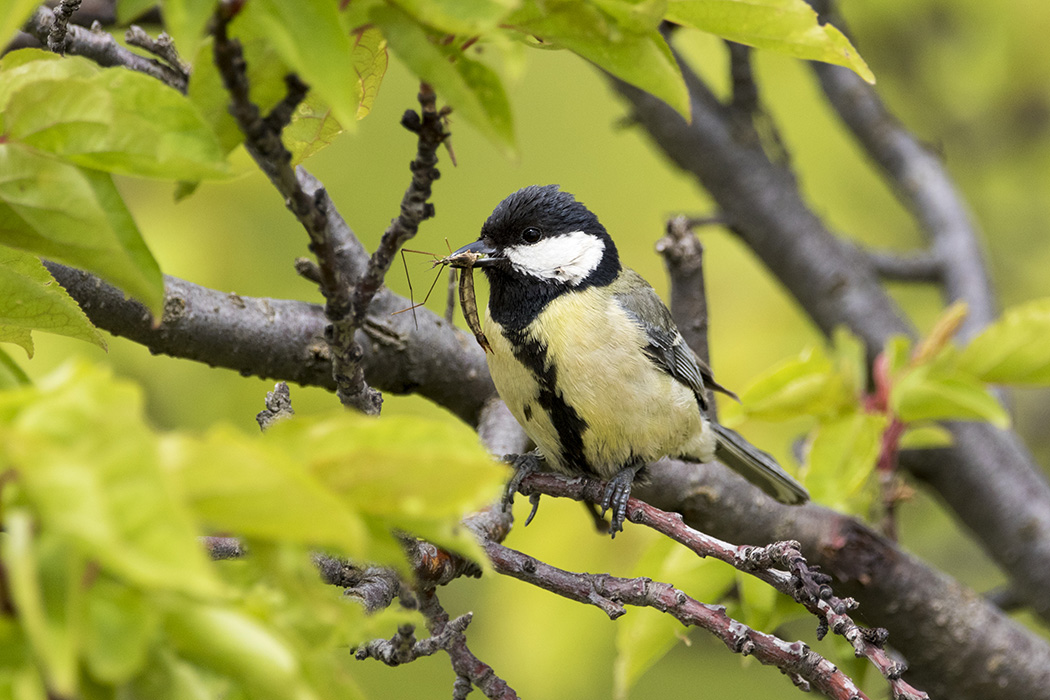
408	277
465	263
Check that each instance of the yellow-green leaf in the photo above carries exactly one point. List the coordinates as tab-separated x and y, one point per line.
927	393
77	217
458	17
31	299
841	459
787	26
809	384
371	59
312	129
1013	350
108	119
921	437
89	469
641	58
13	14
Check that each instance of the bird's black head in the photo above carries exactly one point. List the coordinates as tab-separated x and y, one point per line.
540	243
546	234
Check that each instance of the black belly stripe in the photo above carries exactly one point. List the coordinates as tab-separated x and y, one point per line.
567	422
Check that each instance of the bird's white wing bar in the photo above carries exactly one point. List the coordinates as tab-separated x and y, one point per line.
570	257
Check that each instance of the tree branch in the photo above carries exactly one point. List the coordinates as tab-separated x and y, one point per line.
922	184
837	285
281	339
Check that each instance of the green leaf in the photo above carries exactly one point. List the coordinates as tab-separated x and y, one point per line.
13	14
109	119
45	586
128	10
121	624
805	385
235	645
458	17
31	299
790	27
929	394
841	459
641	58
921	437
1013	350
11	375
472	88
342	482
645	636
185	21
309	37
77	217
89	468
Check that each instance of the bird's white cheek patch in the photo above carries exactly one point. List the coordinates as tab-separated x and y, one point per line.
569	257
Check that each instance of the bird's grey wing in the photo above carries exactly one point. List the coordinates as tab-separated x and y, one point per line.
666	348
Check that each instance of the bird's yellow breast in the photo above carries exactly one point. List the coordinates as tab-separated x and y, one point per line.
631	410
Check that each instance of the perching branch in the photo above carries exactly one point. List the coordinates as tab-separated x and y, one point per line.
781	565
806	668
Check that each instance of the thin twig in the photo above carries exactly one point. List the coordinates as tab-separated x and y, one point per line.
56	37
415	208
101	48
464	662
162	47
278	406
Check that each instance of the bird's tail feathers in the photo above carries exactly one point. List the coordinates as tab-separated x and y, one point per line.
757	466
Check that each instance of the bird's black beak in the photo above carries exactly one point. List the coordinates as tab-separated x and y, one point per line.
467	256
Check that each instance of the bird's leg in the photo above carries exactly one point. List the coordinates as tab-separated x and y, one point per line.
523	466
617	493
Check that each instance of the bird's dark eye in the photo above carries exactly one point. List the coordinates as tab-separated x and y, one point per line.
531	234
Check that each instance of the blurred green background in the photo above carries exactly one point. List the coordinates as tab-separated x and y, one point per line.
972	79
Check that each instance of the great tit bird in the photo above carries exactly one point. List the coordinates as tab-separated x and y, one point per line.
588	359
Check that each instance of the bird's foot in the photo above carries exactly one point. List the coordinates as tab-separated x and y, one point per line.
617	493
524	465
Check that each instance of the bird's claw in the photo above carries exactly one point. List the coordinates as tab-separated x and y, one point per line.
524	465
617	493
